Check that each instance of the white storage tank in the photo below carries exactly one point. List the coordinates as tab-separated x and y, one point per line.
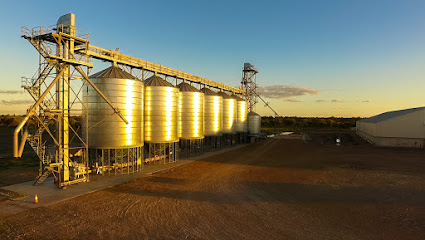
254	123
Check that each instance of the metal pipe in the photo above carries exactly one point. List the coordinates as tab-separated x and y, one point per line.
15	135
30	113
23	140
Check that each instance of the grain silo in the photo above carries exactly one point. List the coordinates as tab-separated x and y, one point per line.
213	119
115	145
254	124
229	119
160	120
191	119
241	119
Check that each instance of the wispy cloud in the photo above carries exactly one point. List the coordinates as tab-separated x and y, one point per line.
10	91
285	91
16	102
321	100
337	101
292	100
366	101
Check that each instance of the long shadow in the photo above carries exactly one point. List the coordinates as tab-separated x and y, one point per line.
285	193
276	153
295	154
168	180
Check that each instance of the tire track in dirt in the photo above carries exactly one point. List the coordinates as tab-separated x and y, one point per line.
275	189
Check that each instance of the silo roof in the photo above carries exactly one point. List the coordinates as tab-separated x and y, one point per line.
185	87
237	97
113	72
209	92
157	81
254	113
225	95
388	115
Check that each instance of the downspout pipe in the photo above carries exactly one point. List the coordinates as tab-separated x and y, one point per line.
16	148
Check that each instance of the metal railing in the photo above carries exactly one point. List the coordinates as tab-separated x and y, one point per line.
85	53
43	30
139	63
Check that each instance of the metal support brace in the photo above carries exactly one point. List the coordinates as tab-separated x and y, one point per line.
31	112
116	110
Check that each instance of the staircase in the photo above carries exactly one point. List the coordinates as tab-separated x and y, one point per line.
33	85
34	35
43	177
35	141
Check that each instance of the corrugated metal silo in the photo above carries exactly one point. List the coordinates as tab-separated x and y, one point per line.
241	120
161	112
229	113
106	129
191	112
113	144
213	104
254	123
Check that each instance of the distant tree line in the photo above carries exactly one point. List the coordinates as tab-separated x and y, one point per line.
14	120
266	122
308	122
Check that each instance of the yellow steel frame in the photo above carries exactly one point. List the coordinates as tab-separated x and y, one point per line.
69	50
119	58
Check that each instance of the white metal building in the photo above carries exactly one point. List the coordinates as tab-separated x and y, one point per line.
402	128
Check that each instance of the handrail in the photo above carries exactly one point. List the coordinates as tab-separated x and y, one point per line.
117	57
30	113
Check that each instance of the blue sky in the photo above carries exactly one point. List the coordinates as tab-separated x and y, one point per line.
328	58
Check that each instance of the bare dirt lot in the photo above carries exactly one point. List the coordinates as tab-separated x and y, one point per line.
275	189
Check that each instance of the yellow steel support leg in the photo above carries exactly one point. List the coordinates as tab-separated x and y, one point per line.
65	126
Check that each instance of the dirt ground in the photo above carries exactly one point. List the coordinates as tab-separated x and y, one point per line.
275	189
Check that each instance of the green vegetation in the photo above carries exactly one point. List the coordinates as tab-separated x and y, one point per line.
271	125
29	158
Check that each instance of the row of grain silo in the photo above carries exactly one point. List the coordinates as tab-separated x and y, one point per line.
164	121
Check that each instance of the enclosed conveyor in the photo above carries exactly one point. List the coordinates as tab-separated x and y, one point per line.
161	119
113	143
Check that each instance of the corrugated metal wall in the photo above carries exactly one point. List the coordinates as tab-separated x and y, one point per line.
407	130
406	126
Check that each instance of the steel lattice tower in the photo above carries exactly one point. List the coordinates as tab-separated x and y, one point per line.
249	85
